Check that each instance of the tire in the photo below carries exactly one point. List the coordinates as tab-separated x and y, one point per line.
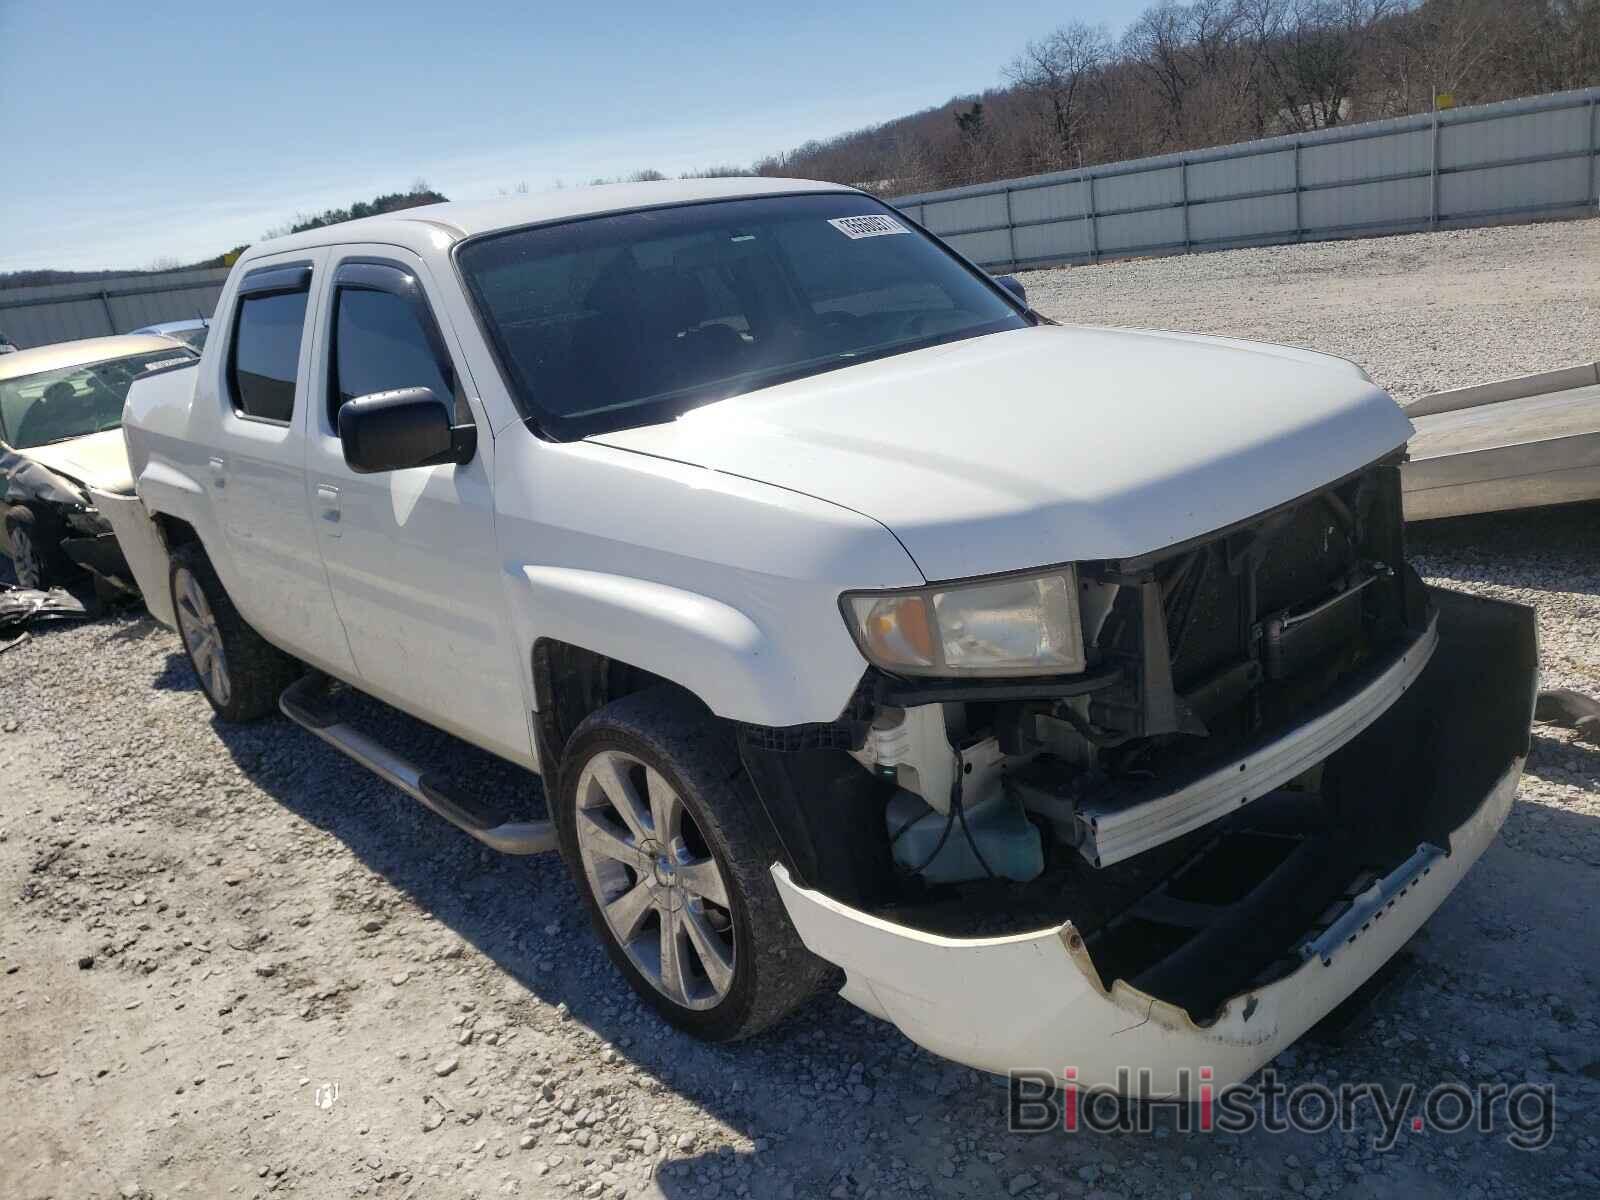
663	736
34	542
240	672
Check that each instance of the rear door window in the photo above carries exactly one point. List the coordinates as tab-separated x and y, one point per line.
265	357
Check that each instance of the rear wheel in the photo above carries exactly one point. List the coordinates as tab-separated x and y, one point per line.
240	672
35	543
672	854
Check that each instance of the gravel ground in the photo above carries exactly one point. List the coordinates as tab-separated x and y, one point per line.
1421	313
207	930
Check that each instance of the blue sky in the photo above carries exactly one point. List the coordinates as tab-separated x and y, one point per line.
140	131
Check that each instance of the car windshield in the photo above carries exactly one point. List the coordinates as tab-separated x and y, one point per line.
69	402
618	321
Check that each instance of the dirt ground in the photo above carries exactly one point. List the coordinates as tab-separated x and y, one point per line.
233	964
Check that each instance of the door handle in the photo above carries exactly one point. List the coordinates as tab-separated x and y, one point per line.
219	476
328	507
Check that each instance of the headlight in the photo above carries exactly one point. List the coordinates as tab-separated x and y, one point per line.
1015	625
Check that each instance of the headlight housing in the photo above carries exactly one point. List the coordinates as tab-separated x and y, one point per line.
1005	626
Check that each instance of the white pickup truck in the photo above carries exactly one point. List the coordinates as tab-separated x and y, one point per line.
1066	687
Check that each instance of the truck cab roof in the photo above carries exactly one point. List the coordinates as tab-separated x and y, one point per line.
436	225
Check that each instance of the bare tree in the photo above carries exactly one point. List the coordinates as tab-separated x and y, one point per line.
1442	46
1058	69
1180	47
1158	44
1312	54
1551	45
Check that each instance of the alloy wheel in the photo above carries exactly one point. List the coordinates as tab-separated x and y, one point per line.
657	883
201	635
24	559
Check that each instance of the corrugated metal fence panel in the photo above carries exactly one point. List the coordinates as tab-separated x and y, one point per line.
1532	136
1346	162
1062	239
64	312
956	216
1516	159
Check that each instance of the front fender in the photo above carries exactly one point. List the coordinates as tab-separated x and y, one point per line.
720	653
29	482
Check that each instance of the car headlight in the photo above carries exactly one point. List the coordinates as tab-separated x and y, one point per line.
1013	625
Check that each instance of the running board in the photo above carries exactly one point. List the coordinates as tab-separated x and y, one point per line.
305	702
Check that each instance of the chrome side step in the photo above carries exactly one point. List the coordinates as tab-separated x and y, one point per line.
305	702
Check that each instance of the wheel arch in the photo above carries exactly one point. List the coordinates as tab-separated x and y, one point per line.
569	683
745	665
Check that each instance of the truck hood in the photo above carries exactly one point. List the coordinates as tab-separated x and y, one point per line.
98	460
1048	444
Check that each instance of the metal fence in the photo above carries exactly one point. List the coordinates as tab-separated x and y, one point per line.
1517	160
63	312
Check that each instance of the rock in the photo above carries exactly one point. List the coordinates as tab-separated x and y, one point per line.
528	1141
399	980
446	1067
432	1121
266	970
861	1094
371	926
686	1141
85	962
651	1143
1020	1183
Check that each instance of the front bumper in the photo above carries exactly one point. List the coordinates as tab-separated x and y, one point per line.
141	547
1455	749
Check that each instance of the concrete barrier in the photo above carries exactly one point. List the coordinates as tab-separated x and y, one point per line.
1559	380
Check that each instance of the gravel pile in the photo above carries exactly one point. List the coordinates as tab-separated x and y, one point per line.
231	963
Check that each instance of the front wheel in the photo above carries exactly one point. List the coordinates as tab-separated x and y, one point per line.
240	672
672	854
36	557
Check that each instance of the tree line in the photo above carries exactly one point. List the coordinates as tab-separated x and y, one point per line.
1214	72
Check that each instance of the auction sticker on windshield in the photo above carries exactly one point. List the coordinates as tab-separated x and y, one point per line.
872	225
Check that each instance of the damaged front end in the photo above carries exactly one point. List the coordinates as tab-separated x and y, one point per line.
71	517
1283	753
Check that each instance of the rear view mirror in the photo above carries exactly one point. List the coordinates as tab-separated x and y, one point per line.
409	427
1013	285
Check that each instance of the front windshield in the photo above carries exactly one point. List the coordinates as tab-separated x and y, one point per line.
617	321
69	402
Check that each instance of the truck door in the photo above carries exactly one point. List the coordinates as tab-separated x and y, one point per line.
411	554
256	463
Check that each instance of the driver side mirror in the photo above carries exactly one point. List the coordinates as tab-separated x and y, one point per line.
1013	285
408	427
